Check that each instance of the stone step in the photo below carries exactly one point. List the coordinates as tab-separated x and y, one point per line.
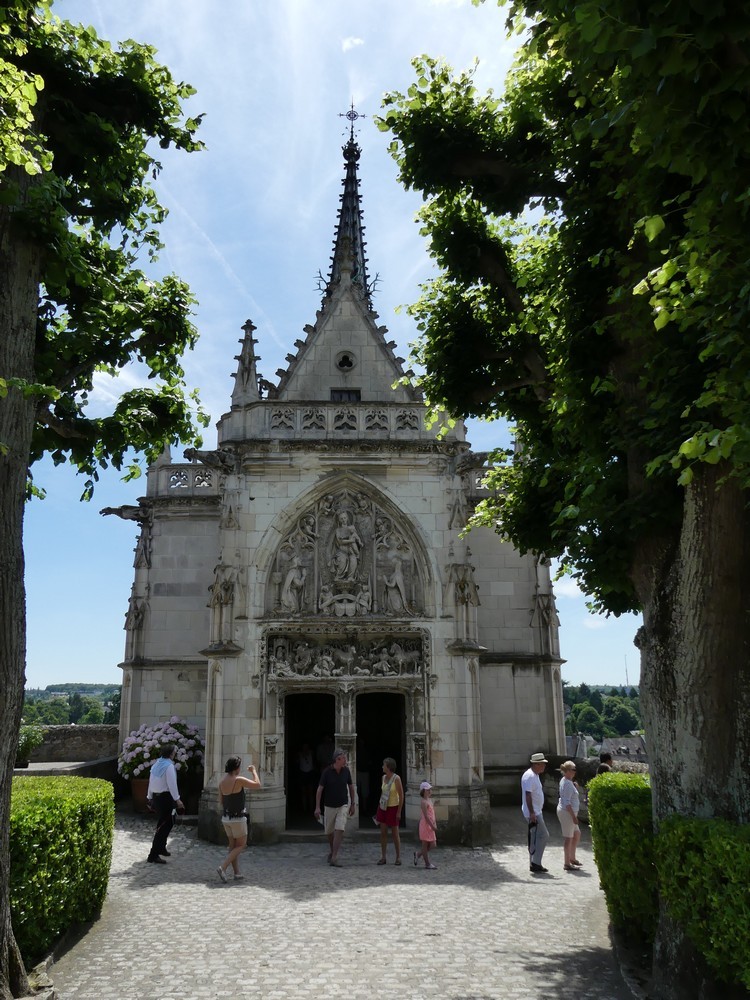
366	836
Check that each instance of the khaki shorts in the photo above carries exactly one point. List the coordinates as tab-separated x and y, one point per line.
566	823
235	828
336	817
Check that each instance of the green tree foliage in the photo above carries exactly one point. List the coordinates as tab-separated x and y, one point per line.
52	708
80	123
93	716
589	721
619	716
596	701
609	323
623	720
612	330
606	707
55	712
93	213
69	687
112	709
85	710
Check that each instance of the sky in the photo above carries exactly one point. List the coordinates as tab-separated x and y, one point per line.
251	223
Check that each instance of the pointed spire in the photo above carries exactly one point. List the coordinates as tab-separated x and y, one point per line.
246	378
349	262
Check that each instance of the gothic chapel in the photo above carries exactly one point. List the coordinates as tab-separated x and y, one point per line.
306	584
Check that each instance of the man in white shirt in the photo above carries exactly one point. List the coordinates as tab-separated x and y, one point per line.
532	803
163	796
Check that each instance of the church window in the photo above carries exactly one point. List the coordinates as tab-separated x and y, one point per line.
345	361
346	395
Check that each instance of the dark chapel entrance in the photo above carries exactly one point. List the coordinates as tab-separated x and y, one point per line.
381	732
309	732
310	726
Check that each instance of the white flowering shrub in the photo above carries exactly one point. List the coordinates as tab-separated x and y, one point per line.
143	746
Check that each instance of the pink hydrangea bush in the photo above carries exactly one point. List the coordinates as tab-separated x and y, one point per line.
143	747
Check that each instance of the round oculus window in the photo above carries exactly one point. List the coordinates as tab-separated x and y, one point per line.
345	361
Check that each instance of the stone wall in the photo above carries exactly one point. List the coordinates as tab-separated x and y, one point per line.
74	743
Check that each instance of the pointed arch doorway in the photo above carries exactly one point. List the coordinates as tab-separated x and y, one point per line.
310	720
381	732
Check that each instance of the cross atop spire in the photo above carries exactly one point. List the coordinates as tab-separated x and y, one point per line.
353	115
349	259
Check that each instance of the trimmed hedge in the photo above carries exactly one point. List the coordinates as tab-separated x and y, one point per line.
623	839
704	870
61	832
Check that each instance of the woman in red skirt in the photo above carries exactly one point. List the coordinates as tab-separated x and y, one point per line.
389	809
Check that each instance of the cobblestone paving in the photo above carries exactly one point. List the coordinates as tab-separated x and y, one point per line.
480	927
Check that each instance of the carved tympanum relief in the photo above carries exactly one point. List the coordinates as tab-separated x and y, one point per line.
345	557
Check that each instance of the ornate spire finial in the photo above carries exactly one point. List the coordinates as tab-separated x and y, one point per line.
353	115
246	378
349	261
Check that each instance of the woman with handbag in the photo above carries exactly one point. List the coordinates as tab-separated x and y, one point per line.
391	803
234	816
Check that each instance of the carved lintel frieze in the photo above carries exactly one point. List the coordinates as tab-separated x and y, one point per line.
316	654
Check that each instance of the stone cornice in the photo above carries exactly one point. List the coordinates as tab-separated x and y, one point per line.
258	448
499	658
177	503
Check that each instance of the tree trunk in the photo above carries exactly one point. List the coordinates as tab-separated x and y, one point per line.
695	685
19	296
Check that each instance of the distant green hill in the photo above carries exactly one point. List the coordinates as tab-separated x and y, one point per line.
83	704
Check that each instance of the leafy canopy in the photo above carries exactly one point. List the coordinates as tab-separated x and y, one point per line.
83	120
590	227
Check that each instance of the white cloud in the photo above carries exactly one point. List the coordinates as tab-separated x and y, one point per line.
350	43
595	622
566	586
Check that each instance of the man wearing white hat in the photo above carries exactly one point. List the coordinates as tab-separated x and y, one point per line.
532	803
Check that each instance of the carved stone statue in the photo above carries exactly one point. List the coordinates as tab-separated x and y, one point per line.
394	589
293	590
466	588
128	512
346	546
221	601
222	458
364	599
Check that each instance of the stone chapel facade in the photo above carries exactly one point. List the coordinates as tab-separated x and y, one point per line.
307	581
